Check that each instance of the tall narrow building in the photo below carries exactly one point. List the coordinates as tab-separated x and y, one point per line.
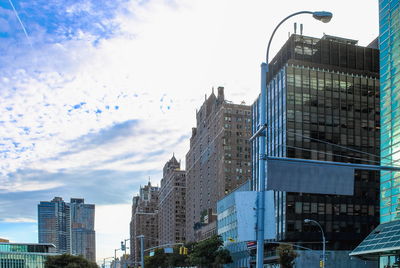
144	220
383	243
83	236
172	203
218	161
54	223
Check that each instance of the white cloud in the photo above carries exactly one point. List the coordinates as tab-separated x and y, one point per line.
20	185
19	220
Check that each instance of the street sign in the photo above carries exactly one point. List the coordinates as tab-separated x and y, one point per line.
168	250
251	244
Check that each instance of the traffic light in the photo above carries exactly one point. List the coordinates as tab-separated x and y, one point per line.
321	263
122	246
183	251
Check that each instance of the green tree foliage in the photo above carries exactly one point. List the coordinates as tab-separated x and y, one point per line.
286	255
68	261
158	260
209	253
161	259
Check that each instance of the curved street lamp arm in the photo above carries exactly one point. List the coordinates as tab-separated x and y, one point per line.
276	28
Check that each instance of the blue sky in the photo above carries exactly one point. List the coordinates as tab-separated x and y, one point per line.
100	94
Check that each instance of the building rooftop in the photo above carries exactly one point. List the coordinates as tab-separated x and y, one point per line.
339	39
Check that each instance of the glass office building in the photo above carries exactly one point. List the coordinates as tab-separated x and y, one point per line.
83	235
17	255
54	224
323	104
384	241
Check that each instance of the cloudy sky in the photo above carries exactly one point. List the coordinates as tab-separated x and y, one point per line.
96	95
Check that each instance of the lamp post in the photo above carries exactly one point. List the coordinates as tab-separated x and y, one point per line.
319	15
104	261
124	248
141	237
323	239
115	257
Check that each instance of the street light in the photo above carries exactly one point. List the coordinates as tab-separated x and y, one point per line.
323	239
325	17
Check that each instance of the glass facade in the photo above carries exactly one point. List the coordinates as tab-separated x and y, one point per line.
236	222
54	224
24	255
83	236
390	104
323	104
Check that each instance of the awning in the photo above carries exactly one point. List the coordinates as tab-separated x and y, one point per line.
384	240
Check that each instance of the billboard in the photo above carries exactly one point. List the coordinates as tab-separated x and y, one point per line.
313	178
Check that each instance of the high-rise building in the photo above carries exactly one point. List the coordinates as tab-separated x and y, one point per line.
322	103
54	223
69	226
172	203
218	161
144	220
384	242
83	236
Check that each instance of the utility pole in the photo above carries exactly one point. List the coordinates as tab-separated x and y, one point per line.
141	237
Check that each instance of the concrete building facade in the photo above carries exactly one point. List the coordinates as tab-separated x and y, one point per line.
144	220
217	162
172	203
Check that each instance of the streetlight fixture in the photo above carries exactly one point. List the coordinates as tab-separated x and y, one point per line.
325	17
323	239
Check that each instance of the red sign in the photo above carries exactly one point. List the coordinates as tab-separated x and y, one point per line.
251	244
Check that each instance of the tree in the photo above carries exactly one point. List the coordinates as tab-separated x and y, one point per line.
286	255
68	261
177	260
209	253
157	260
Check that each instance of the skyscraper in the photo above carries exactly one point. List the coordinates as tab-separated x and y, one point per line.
384	242
54	223
83	236
69	226
172	203
218	161
323	104
144	220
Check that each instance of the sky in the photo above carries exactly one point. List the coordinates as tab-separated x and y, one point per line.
96	95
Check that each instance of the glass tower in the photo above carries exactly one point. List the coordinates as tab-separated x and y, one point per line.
54	224
384	241
83	236
390	114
